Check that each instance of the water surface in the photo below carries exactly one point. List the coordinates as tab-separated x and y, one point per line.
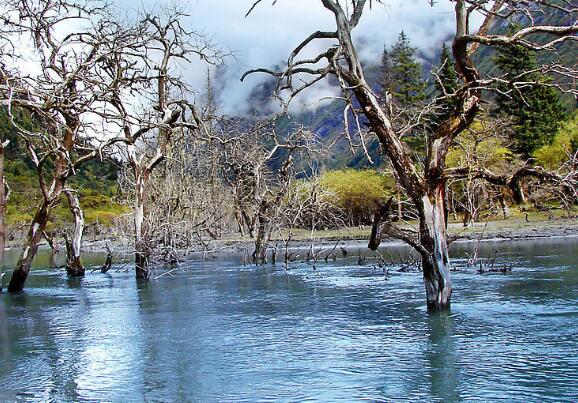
218	331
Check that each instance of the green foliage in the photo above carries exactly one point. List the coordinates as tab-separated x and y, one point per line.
358	192
387	84
402	79
477	148
447	84
96	181
536	110
565	142
404	73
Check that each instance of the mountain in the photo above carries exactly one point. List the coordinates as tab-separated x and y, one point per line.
326	120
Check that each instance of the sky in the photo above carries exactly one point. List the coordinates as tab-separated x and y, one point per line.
266	37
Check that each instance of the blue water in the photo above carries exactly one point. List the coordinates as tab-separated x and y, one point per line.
218	331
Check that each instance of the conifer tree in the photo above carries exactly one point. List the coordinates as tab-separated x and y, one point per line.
402	82
537	111
406	83
447	83
386	74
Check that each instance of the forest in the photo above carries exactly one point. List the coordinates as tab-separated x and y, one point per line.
102	135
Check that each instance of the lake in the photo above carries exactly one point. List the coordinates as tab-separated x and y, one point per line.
220	331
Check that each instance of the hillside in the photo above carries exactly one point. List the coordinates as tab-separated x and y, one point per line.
327	119
96	184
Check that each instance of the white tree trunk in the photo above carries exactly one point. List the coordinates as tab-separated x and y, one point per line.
74	266
435	258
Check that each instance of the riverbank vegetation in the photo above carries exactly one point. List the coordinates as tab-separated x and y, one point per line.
106	137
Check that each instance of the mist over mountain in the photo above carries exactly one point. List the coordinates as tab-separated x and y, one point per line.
325	117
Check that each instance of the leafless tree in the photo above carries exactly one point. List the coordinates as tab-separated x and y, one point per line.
427	187
485	144
64	95
190	205
148	67
4	195
258	164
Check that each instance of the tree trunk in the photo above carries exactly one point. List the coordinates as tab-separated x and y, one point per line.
399	203
250	222
380	215
504	206
517	193
239	219
263	235
3	202
74	266
35	232
435	258
142	254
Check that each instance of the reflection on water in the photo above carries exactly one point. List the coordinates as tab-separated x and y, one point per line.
217	331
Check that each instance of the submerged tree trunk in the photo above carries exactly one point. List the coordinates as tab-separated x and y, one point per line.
3	202
74	266
35	232
142	247
263	235
434	252
53	248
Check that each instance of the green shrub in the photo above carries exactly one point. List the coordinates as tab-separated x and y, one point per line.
565	142
358	192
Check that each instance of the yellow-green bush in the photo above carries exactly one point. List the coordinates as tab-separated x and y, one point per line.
565	142
358	192
476	145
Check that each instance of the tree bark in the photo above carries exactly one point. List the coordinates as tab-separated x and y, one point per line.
3	203
380	215
435	258
504	206
249	222
263	235
239	219
53	248
20	273
142	247
399	203
74	266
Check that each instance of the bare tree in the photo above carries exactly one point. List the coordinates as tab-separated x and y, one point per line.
4	195
147	68
485	144
258	164
64	97
190	205
427	188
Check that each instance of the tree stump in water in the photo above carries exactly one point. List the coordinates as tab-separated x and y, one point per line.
106	267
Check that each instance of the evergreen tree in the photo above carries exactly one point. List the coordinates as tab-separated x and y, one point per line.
537	111
402	79
386	74
406	82
447	84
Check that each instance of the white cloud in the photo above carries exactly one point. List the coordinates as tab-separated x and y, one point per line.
267	36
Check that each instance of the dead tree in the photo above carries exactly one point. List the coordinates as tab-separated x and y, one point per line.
65	97
190	205
427	188
74	266
258	164
4	195
484	145
144	65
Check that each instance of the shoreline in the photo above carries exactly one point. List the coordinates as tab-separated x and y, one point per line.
491	231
